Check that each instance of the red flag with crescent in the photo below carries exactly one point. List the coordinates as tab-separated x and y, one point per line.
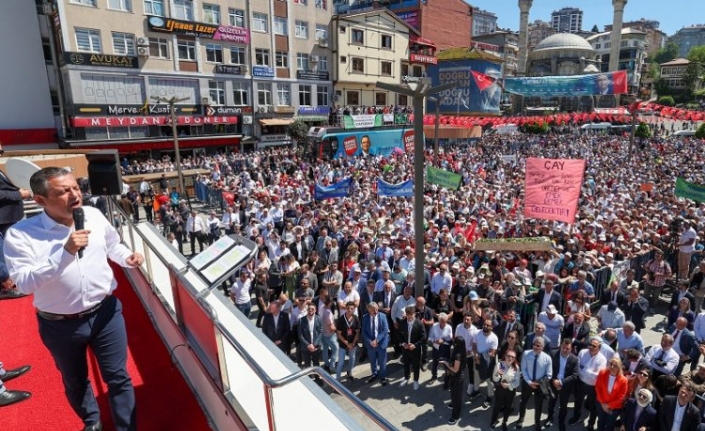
483	81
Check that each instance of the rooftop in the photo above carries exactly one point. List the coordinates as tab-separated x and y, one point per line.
677	62
563	41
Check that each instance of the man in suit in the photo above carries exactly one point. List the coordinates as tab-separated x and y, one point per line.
412	335
638	413
535	365
539	331
299	249
276	326
310	330
680	406
613	295
11	211
636	308
510	324
375	338
578	332
548	296
565	375
683	343
682	293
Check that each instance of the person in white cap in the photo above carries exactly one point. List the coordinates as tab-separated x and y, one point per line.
638	413
554	324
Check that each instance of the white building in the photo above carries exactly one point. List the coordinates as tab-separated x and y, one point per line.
633	52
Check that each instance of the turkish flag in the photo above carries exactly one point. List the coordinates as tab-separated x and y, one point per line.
619	82
483	81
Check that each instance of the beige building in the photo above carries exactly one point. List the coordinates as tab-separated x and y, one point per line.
237	67
673	73
374	46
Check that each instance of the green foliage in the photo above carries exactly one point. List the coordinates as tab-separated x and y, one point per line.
654	71
667	53
595	29
666	101
298	130
697	54
693	75
642	131
535	128
700	133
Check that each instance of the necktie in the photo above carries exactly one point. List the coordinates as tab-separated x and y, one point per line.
575	333
410	325
614	297
372	321
675	336
533	373
663	353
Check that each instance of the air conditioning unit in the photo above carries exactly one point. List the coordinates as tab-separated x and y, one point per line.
323	41
271	109
262	109
314	59
142	41
143	51
247	119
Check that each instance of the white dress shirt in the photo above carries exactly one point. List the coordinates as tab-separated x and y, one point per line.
670	357
589	366
61	282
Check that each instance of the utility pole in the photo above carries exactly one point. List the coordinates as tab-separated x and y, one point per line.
177	154
437	101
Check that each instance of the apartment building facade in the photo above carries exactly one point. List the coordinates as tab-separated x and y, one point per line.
235	68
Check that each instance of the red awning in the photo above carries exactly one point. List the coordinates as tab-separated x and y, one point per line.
159	143
421	41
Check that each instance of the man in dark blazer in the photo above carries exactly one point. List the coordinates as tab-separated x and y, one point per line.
412	335
684	399
635	309
300	249
565	374
310	330
539	331
578	331
645	417
276	326
11	211
613	294
684	341
555	298
681	293
375	338
510	324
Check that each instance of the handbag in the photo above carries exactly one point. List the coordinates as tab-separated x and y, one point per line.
546	388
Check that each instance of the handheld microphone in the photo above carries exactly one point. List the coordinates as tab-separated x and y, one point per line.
79	223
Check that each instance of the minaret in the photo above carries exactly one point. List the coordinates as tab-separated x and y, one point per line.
616	38
524	7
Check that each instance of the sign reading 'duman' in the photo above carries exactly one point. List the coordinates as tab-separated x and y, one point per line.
101	60
199	29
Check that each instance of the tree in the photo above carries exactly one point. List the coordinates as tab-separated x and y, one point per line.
642	131
595	29
694	71
654	71
667	53
700	133
298	130
666	101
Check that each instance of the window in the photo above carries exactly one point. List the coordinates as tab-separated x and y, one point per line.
260	22
402	100
264	93
322	63
387	68
283	95
322	96
88	40
154	7
358	65
123	43
321	4
386	41
240	94
321	32
216	89
262	57
237	55
84	2
358	36
343	59
123	5
214	53
282	59
381	99
236	17
418	71
353	97
183	9
158	48
211	13
301	29
280	26
302	61
187	50
304	95
404	69
598	45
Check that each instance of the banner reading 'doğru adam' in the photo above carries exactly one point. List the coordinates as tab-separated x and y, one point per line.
360	121
552	188
576	85
337	190
404	189
692	191
443	178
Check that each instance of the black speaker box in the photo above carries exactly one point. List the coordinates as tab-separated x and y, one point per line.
104	172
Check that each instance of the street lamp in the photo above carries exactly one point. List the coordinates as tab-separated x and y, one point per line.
172	111
418	89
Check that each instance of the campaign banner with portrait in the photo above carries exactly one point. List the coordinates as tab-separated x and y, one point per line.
474	93
362	121
443	178
337	190
371	142
552	188
688	190
595	84
404	189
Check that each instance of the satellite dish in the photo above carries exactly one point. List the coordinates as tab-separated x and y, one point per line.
19	171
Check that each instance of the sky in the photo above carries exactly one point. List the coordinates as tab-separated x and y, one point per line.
672	14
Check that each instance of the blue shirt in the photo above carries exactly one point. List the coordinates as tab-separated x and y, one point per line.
544	366
633	342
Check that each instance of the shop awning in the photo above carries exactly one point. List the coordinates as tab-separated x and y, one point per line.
276	121
420	40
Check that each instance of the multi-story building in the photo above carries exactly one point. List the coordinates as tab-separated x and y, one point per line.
507	44
234	68
673	73
632	54
567	20
375	46
483	22
655	38
688	38
538	31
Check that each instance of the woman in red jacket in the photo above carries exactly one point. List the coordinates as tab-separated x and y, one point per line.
611	389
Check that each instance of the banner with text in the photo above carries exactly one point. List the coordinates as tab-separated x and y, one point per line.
577	85
443	178
361	121
337	190
552	188
404	190
692	191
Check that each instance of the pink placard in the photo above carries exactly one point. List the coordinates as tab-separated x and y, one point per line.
552	188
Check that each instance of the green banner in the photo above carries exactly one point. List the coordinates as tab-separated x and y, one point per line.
362	121
692	191
443	178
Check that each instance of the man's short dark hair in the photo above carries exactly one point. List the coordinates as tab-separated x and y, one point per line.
38	182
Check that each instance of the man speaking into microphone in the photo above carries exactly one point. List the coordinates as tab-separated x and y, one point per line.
67	270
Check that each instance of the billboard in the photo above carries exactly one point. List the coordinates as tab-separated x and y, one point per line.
370	142
596	84
467	97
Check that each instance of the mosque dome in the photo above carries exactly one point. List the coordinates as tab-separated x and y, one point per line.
563	41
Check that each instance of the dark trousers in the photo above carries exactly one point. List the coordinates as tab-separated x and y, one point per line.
503	403
526	392
412	361
148	213
562	399
196	236
456	395
104	333
605	420
310	358
442	352
585	395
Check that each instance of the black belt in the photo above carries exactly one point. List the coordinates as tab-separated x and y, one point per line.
55	317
